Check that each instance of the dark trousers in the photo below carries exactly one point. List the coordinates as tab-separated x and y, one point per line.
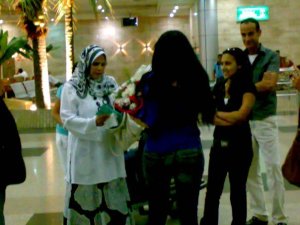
234	160
186	167
2	201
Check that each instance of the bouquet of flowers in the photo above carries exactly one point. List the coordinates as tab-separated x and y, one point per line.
126	98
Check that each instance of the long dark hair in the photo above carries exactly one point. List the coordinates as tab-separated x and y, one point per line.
174	61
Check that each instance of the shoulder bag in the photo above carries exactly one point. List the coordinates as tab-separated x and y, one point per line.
291	165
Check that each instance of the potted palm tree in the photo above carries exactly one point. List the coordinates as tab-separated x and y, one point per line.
33	19
9	48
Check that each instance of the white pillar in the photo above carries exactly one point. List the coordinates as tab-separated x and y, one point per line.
208	33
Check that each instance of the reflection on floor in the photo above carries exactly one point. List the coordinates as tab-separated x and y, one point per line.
46	218
35	151
40	199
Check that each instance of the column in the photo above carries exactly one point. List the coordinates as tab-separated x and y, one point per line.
208	33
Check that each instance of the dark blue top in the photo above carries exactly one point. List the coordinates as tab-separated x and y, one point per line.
168	135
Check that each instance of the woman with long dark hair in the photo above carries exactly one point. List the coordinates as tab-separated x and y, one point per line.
176	94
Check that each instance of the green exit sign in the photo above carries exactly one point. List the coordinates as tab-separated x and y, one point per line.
256	12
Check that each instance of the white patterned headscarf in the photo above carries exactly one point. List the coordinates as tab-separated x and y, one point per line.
81	80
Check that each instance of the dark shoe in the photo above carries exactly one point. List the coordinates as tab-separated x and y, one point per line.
255	221
281	224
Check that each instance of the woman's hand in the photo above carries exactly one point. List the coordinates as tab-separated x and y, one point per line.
100	119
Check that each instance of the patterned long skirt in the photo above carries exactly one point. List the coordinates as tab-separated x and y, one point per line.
99	204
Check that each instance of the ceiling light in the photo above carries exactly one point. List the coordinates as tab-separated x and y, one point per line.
171	14
109	31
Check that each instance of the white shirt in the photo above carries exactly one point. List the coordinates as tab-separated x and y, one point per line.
252	58
23	74
93	155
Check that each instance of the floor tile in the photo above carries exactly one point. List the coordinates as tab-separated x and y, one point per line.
46	219
33	151
40	199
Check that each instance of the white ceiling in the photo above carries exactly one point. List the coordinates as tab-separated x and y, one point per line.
121	8
127	8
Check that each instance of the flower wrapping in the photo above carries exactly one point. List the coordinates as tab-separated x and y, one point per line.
126	97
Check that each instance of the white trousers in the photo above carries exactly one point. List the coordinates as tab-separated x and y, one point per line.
62	147
265	144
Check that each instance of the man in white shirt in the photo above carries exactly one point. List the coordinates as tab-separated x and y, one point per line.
21	73
264	128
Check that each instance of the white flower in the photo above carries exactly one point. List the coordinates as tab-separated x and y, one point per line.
124	102
124	96
132	106
140	72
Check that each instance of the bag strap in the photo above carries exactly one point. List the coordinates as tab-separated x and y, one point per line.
299	118
298	130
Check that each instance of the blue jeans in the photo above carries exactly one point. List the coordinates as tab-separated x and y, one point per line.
186	167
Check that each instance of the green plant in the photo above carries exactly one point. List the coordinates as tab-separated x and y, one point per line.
15	45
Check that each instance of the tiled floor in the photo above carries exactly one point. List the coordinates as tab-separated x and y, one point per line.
40	199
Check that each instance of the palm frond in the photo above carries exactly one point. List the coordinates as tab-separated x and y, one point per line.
3	42
109	6
94	7
15	45
31	7
59	9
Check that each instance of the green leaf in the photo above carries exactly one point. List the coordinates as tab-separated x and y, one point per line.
3	42
50	47
7	50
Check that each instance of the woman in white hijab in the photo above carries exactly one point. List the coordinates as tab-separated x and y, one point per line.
96	187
